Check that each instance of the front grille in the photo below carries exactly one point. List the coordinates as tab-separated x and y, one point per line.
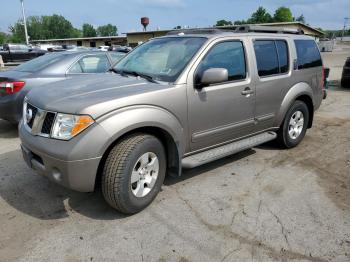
34	111
48	122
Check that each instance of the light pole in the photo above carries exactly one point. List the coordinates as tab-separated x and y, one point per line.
25	23
345	22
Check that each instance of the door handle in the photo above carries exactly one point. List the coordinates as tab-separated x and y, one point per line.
247	92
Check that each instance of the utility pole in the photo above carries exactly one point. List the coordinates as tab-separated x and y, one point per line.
345	22
25	23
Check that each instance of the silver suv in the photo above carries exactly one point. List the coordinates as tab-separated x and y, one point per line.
175	102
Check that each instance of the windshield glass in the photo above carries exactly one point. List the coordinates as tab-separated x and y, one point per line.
40	62
163	59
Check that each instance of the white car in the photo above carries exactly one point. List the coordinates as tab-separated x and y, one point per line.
103	48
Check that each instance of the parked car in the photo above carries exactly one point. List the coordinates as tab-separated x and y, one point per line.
181	100
118	48
19	53
345	78
103	48
16	83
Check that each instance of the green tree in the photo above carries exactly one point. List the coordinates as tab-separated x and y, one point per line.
223	22
240	22
260	16
89	30
3	38
107	30
17	32
301	19
44	27
283	14
56	26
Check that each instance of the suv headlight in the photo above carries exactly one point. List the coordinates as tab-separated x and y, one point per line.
67	126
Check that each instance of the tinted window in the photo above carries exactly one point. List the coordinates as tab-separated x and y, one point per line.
308	54
40	63
266	57
271	56
282	50
91	64
229	55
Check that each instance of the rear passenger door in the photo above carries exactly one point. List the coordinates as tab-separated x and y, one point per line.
273	78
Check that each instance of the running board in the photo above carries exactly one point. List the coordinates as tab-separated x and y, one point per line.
226	150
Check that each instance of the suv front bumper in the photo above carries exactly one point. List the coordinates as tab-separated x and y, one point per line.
72	164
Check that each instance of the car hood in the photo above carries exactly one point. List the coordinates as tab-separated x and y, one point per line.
95	95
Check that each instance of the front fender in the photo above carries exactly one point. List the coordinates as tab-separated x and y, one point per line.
293	93
122	121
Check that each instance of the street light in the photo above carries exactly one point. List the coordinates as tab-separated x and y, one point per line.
25	23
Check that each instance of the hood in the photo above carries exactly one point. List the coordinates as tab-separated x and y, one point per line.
91	94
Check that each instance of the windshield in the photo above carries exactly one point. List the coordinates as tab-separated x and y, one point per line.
163	59
39	63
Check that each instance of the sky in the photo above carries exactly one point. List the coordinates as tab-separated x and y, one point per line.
166	14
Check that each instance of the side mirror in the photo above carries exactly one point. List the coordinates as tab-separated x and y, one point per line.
213	76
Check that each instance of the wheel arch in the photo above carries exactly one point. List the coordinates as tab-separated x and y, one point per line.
167	129
302	92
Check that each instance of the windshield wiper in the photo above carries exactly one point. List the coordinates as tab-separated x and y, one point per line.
119	72
137	74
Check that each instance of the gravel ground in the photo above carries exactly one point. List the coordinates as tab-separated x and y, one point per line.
264	204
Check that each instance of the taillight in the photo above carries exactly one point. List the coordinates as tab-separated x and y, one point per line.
12	87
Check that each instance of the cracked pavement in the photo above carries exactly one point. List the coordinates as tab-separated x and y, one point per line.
264	204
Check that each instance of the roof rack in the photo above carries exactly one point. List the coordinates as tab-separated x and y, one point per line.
238	29
208	31
267	29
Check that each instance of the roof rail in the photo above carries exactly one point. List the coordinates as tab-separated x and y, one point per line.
209	31
267	29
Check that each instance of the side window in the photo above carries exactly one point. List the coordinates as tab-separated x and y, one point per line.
308	54
229	55
91	64
266	57
283	58
271	56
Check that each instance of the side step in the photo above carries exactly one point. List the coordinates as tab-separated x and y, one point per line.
226	150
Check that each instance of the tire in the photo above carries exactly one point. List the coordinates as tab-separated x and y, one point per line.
288	137
136	157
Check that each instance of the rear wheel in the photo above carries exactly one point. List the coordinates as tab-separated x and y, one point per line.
134	173
294	126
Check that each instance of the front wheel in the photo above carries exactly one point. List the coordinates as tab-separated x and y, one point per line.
294	126
134	173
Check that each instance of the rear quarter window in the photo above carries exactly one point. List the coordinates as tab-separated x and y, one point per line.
308	55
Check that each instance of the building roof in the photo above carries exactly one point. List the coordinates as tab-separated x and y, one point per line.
80	38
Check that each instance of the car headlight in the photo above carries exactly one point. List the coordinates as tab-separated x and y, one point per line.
67	126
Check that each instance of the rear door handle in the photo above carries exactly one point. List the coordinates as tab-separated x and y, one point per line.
247	91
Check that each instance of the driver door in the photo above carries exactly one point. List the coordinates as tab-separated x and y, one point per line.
224	111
